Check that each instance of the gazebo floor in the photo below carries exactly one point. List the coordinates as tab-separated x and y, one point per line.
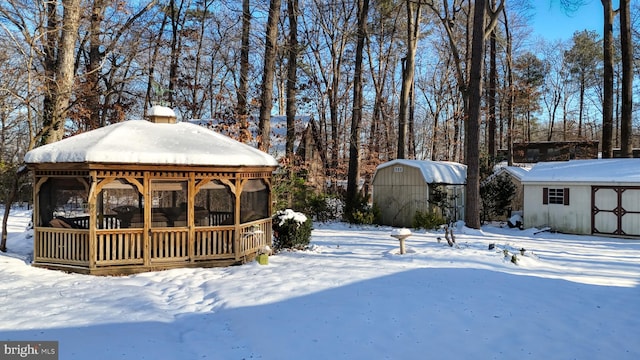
136	269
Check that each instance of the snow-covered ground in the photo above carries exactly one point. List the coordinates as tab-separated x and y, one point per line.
350	296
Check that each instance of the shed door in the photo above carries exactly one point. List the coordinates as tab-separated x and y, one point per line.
615	210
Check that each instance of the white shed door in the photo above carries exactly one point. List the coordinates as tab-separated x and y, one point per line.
615	210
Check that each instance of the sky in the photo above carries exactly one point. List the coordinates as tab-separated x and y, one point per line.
552	23
350	295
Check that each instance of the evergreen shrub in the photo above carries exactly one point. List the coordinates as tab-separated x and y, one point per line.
291	230
361	212
496	193
427	220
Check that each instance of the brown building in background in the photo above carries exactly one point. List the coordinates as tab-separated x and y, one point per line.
533	152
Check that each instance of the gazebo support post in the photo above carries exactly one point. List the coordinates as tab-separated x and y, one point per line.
236	233
34	214
92	198
38	182
191	208
146	233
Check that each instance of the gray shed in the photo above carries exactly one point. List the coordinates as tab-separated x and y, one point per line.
584	197
402	187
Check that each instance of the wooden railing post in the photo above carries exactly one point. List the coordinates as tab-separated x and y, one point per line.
146	233
237	233
191	208
93	223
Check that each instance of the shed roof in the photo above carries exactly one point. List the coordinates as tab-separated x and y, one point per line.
600	171
144	142
518	172
434	172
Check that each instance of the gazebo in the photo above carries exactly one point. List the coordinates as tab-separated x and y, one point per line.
149	195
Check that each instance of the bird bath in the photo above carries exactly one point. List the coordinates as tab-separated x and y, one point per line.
401	235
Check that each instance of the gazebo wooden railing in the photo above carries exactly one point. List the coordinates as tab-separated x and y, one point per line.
162	246
62	246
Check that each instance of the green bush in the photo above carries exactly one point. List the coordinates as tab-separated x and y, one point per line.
366	216
427	220
496	193
361	212
289	190
321	207
291	230
292	191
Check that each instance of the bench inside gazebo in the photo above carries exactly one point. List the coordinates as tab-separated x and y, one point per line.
149	195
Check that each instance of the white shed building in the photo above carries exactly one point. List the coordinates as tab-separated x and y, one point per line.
584	196
402	187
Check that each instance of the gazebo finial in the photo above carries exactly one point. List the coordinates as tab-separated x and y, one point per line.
161	115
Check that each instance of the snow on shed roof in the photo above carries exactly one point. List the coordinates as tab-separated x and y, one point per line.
434	172
599	171
144	142
518	172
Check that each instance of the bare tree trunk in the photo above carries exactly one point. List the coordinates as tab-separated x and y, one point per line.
243	88
175	49
281	83
194	105
408	68
8	202
150	99
356	119
565	116
458	117
434	137
335	22
552	118
607	104
447	19
96	97
264	126
472	189
50	59
292	68
581	106
616	112
65	68
626	130
411	125
493	84
96	57
378	146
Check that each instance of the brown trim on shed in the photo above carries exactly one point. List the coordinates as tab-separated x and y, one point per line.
619	211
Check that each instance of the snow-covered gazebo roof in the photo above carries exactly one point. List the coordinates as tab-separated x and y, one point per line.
145	142
434	172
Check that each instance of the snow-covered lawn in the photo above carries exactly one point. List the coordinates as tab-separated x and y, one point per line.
350	296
